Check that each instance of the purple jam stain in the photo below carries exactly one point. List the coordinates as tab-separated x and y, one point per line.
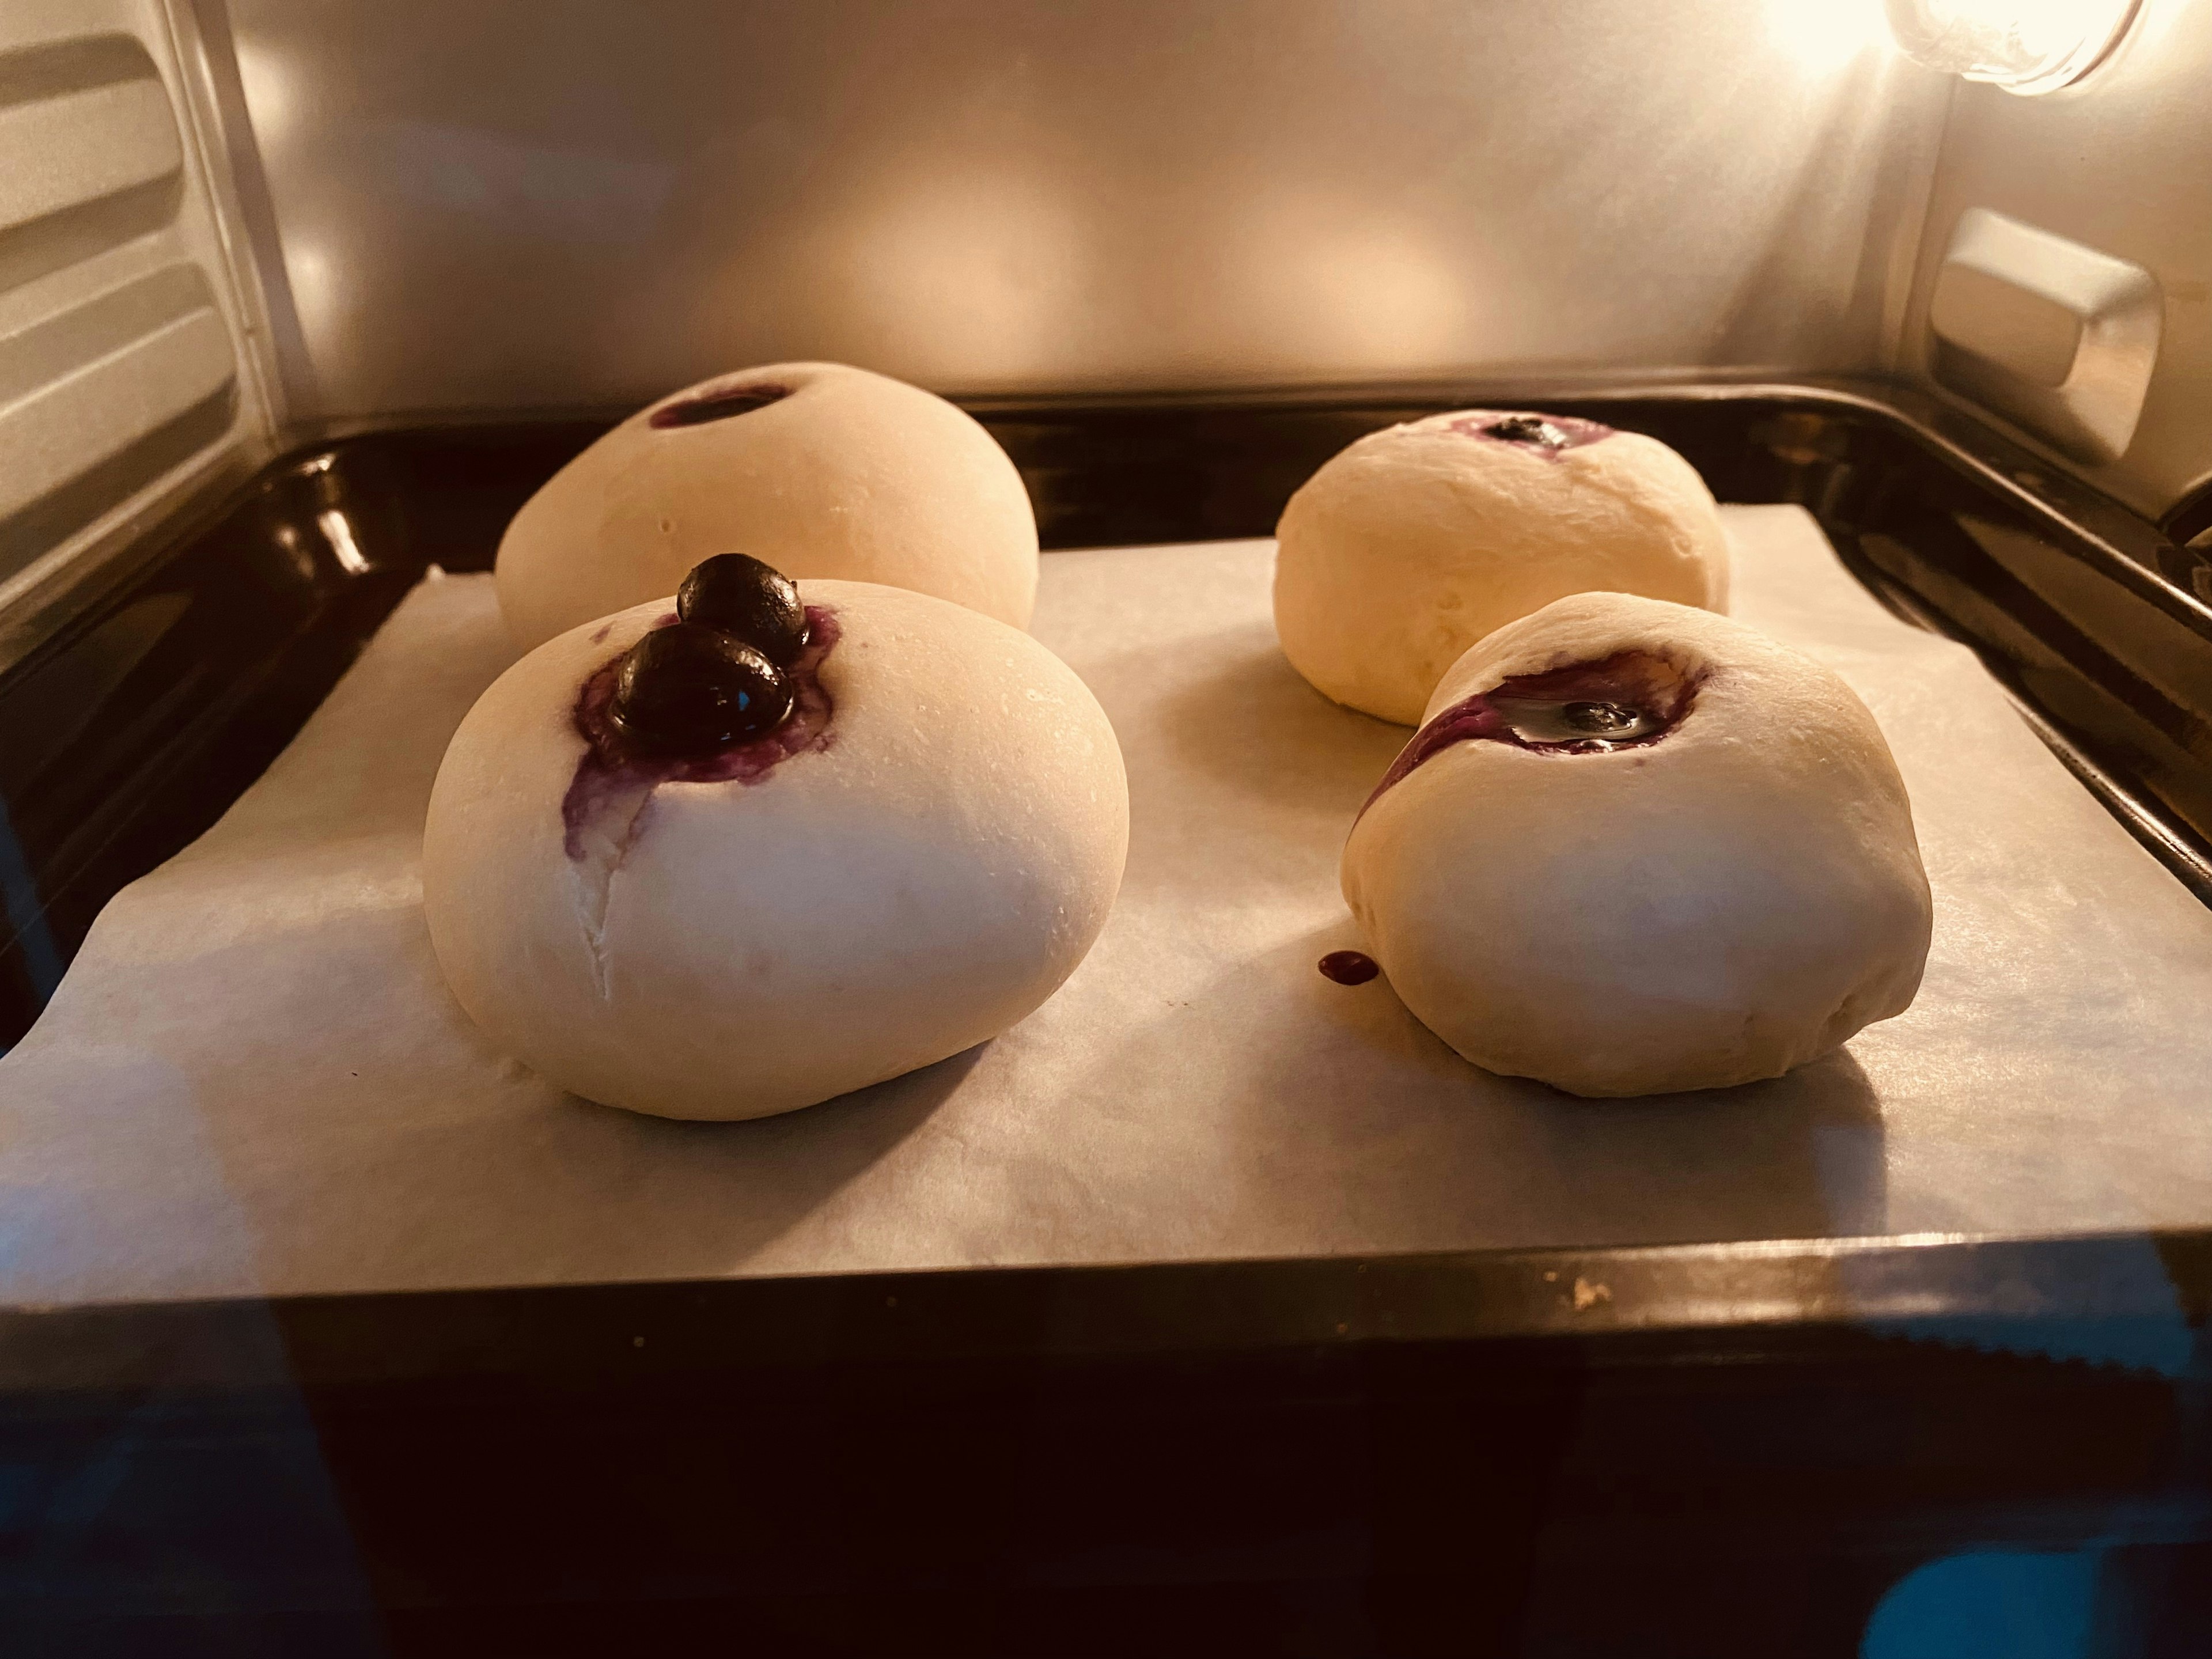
1629	700
716	405
1548	435
1348	966
612	769
599	634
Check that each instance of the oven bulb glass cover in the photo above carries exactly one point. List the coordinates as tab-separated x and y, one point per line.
2025	46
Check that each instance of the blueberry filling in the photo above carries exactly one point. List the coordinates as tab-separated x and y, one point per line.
716	405
1626	701
617	768
689	691
718	676
1548	435
736	594
722	689
1526	429
1583	726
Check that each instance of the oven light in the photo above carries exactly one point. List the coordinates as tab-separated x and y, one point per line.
2025	46
1825	35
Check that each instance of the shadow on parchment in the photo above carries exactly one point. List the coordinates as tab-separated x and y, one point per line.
659	1197
1355	1129
1254	723
490	1176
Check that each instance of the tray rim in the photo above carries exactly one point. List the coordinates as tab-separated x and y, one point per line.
2028	1298
1677	1290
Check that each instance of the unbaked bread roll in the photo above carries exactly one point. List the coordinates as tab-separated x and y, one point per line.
905	863
1412	544
1638	847
819	469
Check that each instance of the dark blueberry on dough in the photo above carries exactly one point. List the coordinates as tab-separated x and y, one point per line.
737	595
684	689
1574	723
1621	701
1527	429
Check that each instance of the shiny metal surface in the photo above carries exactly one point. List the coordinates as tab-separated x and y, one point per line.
2059	337
146	365
121	336
2123	162
476	204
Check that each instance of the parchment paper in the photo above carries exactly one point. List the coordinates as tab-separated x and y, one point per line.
252	1080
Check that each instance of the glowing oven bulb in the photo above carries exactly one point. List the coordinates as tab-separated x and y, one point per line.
2025	46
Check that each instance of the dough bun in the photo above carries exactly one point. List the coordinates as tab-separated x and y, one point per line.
1409	546
847	474
915	878
1732	899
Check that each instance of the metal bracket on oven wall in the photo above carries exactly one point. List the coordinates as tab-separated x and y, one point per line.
2051	334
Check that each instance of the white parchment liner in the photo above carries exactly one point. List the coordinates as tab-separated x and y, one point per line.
252	1080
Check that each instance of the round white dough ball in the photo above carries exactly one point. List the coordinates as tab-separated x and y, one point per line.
1409	546
847	474
1733	898
926	868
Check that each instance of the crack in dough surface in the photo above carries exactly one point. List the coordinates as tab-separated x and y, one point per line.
605	842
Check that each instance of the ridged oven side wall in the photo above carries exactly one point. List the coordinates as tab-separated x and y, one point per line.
125	336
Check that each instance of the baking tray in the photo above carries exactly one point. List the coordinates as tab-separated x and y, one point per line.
128	733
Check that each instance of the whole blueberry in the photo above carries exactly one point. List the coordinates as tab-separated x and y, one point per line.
736	594
684	689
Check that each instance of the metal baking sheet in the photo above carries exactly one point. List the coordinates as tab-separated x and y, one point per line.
253	1082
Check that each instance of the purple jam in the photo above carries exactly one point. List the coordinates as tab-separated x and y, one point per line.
613	769
1349	967
716	405
1626	701
1548	435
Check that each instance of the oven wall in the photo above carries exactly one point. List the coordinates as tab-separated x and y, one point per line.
2121	162
127	343
496	205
